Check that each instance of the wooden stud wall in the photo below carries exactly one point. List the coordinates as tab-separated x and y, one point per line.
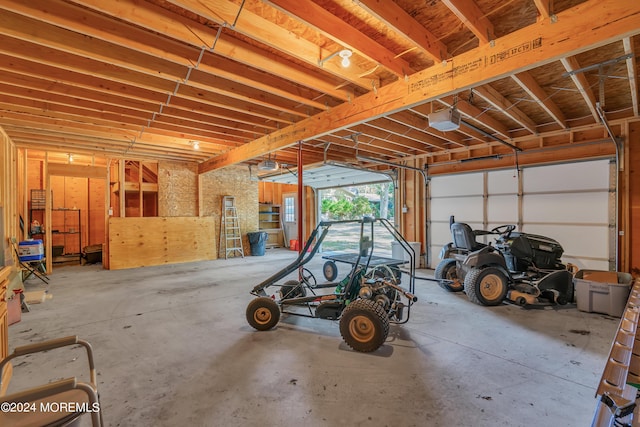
633	172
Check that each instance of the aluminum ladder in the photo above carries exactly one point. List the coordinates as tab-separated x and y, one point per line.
230	237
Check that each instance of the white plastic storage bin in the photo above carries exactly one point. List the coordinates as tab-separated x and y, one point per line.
599	291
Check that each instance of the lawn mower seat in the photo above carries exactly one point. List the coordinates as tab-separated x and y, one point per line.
464	238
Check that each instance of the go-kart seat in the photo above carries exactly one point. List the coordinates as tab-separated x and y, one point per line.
464	237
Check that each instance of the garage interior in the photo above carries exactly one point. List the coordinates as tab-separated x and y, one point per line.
125	126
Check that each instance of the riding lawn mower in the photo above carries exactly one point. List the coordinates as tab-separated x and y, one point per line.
523	268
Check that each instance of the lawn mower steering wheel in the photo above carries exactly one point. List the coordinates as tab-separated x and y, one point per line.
504	229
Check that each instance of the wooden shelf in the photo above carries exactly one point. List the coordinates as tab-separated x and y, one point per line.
270	221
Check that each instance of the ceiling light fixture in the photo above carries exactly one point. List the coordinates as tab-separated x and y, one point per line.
196	145
70	158
345	54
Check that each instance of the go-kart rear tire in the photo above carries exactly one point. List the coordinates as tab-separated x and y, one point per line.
447	269
263	313
486	286
364	325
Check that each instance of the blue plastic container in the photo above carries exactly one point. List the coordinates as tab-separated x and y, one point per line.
31	250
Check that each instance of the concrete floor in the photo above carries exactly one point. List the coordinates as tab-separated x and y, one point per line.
173	348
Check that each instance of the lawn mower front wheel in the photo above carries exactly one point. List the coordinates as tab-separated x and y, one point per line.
486	286
263	313
364	325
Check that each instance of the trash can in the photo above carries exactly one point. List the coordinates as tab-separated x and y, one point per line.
258	242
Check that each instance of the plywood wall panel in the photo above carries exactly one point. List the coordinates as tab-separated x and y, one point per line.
143	242
96	212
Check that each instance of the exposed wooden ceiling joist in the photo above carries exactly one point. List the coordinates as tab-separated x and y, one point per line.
600	23
147	78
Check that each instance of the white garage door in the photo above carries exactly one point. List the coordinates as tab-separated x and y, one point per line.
572	203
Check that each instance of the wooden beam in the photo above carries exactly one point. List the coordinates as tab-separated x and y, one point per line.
343	33
599	21
545	8
78	171
404	24
473	18
505	106
529	84
161	21
50	36
571	64
271	34
631	72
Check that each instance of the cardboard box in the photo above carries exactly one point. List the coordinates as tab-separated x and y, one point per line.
31	250
604	292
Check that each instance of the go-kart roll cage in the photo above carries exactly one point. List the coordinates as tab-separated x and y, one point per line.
362	261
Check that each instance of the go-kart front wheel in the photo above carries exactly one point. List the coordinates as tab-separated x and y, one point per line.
364	325
447	275
263	313
486	286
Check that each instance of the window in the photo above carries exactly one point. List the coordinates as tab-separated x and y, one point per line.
289	209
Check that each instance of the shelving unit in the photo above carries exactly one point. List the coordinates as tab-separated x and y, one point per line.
66	232
270	221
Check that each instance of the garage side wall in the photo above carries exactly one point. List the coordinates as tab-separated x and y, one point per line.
177	189
231	181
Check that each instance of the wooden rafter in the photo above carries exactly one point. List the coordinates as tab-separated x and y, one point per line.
161	21
545	8
473	18
271	34
395	17
344	34
529	84
631	72
505	106
571	65
600	21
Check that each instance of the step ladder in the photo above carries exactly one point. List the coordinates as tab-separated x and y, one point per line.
230	237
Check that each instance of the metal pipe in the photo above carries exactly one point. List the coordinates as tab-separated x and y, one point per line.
616	142
488	135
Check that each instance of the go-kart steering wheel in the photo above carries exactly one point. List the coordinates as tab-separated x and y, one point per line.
309	278
503	229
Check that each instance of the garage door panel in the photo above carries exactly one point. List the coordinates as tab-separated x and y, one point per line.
464	209
584	241
569	202
569	176
503	209
457	185
570	207
502	182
